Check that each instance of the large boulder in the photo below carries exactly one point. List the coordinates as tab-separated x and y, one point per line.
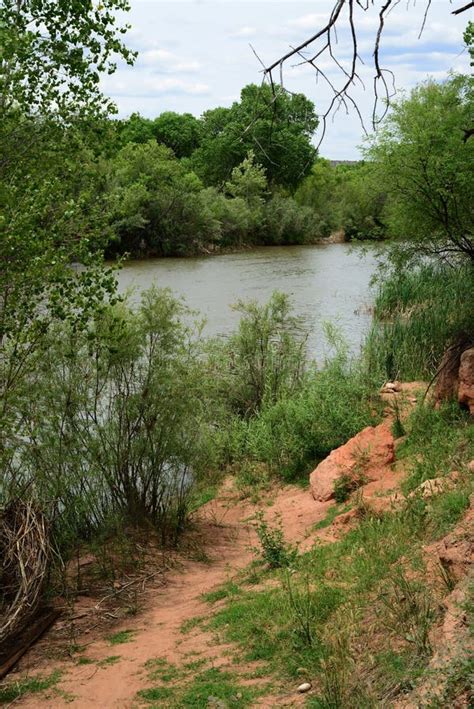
364	455
466	380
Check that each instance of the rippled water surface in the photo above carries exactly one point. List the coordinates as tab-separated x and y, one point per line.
326	284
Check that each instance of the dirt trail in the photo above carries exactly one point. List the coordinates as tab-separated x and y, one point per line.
157	632
225	523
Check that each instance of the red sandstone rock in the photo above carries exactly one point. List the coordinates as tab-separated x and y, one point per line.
364	455
466	380
456	550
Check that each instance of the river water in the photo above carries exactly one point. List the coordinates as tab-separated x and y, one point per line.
327	283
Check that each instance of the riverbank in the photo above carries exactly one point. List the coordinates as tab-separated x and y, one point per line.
336	237
227	628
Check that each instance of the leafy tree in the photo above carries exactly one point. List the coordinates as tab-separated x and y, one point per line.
51	215
360	202
234	222
287	222
248	181
319	191
469	40
319	187
264	360
135	129
53	52
276	127
344	197
179	131
155	203
424	163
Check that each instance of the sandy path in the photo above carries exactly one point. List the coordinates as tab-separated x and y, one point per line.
158	629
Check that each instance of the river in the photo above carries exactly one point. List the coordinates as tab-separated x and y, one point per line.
327	283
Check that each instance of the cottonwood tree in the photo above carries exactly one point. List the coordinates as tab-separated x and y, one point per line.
52	55
420	159
276	126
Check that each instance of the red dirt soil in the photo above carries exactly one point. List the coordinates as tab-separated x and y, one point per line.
158	629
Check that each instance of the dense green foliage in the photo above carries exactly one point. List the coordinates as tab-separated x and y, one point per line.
155	202
347	197
292	434
52	213
277	126
120	435
423	160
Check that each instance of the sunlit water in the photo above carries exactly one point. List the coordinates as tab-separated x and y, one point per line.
328	283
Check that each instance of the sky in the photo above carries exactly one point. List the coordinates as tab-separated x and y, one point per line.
194	56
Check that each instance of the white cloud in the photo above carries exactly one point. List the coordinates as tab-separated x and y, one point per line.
162	60
244	32
186	67
313	21
127	84
151	56
163	86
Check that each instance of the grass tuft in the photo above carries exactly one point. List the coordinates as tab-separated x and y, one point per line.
15	690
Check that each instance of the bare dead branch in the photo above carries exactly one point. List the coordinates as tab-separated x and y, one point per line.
469	6
324	46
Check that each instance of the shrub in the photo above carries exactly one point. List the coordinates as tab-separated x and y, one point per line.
274	550
121	434
264	360
287	222
343	487
293	434
438	441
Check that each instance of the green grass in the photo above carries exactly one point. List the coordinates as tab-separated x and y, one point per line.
227	590
157	694
417	314
438	441
202	497
459	682
15	690
288	438
447	509
346	577
85	661
191	623
266	628
110	660
331	515
195	665
193	689
220	684
352	589
160	669
123	636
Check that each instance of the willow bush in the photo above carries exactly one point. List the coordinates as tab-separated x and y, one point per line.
114	425
263	360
